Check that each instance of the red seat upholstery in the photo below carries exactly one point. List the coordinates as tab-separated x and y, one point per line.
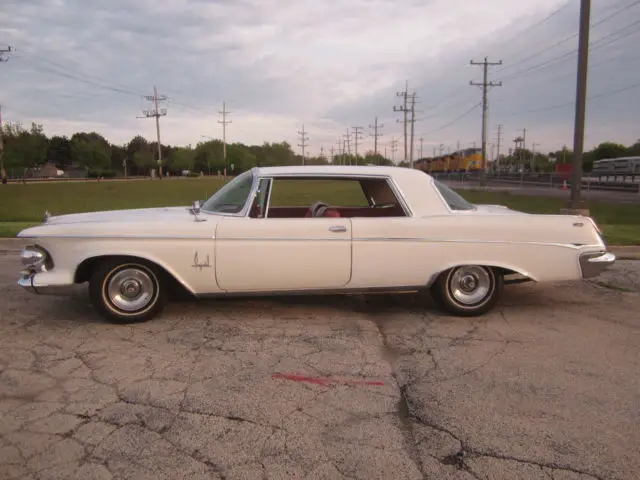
331	212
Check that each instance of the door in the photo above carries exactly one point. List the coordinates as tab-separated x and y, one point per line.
266	254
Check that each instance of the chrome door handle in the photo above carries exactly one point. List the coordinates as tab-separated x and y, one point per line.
338	228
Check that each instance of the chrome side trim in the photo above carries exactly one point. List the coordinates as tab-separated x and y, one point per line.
318	291
122	236
593	264
408	239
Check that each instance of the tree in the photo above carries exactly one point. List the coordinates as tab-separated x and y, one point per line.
59	152
91	150
609	150
182	158
144	161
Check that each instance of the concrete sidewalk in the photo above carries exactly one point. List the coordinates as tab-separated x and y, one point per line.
632	252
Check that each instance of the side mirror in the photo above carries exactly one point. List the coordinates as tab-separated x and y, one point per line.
195	211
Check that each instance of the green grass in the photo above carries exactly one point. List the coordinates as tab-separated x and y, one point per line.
11	229
22	205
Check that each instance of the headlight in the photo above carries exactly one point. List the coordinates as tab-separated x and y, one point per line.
35	258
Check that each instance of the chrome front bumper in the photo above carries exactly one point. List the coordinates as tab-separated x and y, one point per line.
593	264
32	286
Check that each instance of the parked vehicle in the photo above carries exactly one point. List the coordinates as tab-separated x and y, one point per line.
374	229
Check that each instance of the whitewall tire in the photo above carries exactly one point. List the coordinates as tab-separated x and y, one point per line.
468	290
127	290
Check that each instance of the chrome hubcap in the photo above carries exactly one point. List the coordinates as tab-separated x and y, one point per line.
130	289
470	285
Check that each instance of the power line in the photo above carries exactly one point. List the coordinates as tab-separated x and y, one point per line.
570	104
538	23
486	84
224	123
565	56
303	139
566	39
454	121
375	134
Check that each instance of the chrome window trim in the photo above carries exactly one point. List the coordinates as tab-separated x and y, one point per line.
244	212
268	201
444	200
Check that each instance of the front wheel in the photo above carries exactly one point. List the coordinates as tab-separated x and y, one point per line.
468	290
127	291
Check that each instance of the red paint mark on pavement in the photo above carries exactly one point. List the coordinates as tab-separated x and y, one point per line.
325	382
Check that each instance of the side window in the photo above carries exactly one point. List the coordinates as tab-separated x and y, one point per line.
342	197
299	192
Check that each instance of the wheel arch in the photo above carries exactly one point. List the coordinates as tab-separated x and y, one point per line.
84	270
500	267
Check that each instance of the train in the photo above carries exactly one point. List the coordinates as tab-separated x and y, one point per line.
612	167
467	160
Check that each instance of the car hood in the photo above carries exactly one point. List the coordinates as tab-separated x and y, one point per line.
130	215
496	210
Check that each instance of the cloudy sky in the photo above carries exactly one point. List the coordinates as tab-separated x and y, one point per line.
330	65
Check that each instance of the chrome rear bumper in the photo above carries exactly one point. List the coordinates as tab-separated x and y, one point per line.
593	264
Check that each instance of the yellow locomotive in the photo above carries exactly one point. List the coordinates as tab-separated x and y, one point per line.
467	160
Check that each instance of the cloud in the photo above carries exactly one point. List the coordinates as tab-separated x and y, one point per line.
332	65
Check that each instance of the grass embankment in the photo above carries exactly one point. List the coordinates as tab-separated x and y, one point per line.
24	205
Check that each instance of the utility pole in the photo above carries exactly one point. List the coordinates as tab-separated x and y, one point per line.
322	152
485	86
533	155
403	108
394	147
224	123
421	140
347	138
303	140
413	122
4	59
340	145
156	113
332	154
356	136
581	103
498	145
375	135
3	174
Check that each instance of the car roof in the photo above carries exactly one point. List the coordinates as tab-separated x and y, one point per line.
331	170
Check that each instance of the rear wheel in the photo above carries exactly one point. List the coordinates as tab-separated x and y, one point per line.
468	290
128	291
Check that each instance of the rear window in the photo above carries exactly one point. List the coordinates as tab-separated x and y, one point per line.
454	200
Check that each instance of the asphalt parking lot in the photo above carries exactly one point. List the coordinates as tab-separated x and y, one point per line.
378	387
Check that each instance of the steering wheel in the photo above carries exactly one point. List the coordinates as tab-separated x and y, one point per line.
318	208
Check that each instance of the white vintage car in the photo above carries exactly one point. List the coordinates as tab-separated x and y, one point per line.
265	232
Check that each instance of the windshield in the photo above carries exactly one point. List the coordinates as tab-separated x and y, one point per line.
455	201
232	196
